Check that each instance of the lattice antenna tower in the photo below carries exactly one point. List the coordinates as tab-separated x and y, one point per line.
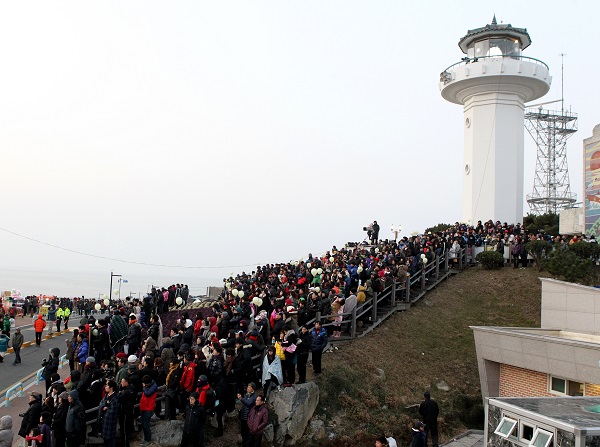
550	131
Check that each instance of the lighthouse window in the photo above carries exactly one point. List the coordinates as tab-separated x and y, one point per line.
504	47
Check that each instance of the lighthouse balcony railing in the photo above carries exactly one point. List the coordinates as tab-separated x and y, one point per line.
471	60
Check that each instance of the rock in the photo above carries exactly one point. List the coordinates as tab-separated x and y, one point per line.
316	429
269	433
167	433
379	374
442	386
293	407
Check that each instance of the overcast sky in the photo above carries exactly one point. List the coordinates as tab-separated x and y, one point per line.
225	134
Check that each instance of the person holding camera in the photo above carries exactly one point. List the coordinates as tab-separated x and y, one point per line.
50	366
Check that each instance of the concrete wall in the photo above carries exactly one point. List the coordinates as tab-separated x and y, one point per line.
570	307
571	221
540	351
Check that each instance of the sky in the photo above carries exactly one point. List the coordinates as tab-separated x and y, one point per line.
221	135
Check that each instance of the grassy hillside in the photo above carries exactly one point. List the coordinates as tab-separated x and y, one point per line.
419	348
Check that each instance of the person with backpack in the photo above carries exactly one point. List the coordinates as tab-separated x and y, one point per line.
134	335
193	423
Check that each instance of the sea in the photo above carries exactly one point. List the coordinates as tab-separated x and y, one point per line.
96	284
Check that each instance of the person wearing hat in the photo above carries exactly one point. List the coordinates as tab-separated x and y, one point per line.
59	420
17	343
75	423
122	367
147	404
32	416
193	423
430	411
419	438
6	433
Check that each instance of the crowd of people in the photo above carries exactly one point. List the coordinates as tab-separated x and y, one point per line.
258	336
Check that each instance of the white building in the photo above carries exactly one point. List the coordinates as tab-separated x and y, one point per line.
493	82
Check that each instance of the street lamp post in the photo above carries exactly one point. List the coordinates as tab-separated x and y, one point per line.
112	275
396	231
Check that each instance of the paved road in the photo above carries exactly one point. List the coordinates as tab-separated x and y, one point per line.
31	357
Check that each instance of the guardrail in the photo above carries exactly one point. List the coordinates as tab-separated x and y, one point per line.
12	390
38	376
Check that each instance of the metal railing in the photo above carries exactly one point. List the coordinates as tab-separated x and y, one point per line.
13	390
473	60
402	291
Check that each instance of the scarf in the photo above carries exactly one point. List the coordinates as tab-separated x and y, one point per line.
172	369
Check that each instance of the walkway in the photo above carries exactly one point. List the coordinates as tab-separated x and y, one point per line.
471	438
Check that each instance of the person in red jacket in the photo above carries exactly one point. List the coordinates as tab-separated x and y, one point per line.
186	383
39	326
147	403
258	419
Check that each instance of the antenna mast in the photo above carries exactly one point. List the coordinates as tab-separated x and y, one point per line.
550	130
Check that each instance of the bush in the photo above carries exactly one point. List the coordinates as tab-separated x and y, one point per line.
490	259
437	228
566	264
544	223
585	250
538	250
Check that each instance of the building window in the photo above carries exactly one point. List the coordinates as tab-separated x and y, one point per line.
559	385
526	432
506	427
541	438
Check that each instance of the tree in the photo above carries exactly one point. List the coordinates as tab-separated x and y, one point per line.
538	250
566	264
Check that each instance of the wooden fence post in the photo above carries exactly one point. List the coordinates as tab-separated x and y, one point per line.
374	310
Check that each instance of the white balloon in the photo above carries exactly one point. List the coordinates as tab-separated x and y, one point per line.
359	269
319	270
179	301
425	261
97	306
105	296
241	294
308	265
313	272
95	332
377	250
422	255
317	289
106	302
235	292
227	286
116	291
332	259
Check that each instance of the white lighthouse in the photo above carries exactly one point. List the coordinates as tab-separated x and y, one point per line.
492	82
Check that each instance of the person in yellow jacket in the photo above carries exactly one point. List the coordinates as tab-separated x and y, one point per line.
60	314
66	315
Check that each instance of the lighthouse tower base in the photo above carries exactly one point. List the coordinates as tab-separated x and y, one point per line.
493	157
